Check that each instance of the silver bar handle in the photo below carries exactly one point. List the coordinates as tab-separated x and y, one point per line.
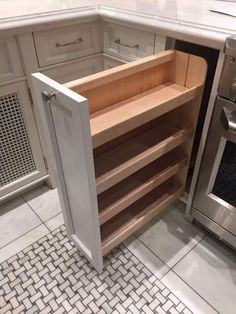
119	42
70	43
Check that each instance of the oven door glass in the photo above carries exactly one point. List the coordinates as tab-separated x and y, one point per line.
225	182
215	194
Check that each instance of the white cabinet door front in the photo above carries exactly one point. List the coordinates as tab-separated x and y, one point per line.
65	118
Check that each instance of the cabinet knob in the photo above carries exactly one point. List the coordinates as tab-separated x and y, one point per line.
48	96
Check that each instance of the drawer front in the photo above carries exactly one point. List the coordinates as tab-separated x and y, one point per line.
81	68
127	43
10	64
67	43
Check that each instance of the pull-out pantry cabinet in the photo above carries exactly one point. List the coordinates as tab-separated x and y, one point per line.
122	140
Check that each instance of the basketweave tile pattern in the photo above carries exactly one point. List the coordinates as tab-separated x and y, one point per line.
51	276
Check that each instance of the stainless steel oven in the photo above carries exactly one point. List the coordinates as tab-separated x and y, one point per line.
214	203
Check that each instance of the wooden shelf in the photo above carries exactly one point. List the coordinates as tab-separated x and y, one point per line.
128	221
117	198
126	115
127	158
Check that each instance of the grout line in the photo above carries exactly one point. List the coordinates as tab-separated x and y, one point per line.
195	291
53	216
32	209
144	264
169	270
47	227
43	222
150	250
159	279
22	235
204	236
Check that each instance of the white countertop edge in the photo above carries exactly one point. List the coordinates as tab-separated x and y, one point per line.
183	31
40	21
195	33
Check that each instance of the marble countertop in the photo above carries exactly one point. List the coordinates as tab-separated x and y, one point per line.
184	19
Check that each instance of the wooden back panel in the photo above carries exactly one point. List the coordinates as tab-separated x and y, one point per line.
111	93
114	85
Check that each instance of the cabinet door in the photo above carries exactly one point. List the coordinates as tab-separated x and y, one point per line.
65	118
21	159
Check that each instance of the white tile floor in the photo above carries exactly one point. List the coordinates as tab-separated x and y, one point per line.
197	268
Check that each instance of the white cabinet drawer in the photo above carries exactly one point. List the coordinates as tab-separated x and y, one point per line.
66	43
68	72
127	43
10	64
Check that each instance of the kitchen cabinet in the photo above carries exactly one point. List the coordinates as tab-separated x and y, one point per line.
63	53
121	140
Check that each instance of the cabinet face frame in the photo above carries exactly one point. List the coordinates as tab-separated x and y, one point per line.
9	59
73	124
21	90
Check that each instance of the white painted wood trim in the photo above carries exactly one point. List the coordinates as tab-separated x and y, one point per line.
30	62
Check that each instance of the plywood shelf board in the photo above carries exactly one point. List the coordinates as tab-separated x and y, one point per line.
124	224
122	117
127	158
123	194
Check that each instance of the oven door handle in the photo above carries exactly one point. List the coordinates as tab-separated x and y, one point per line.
228	119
